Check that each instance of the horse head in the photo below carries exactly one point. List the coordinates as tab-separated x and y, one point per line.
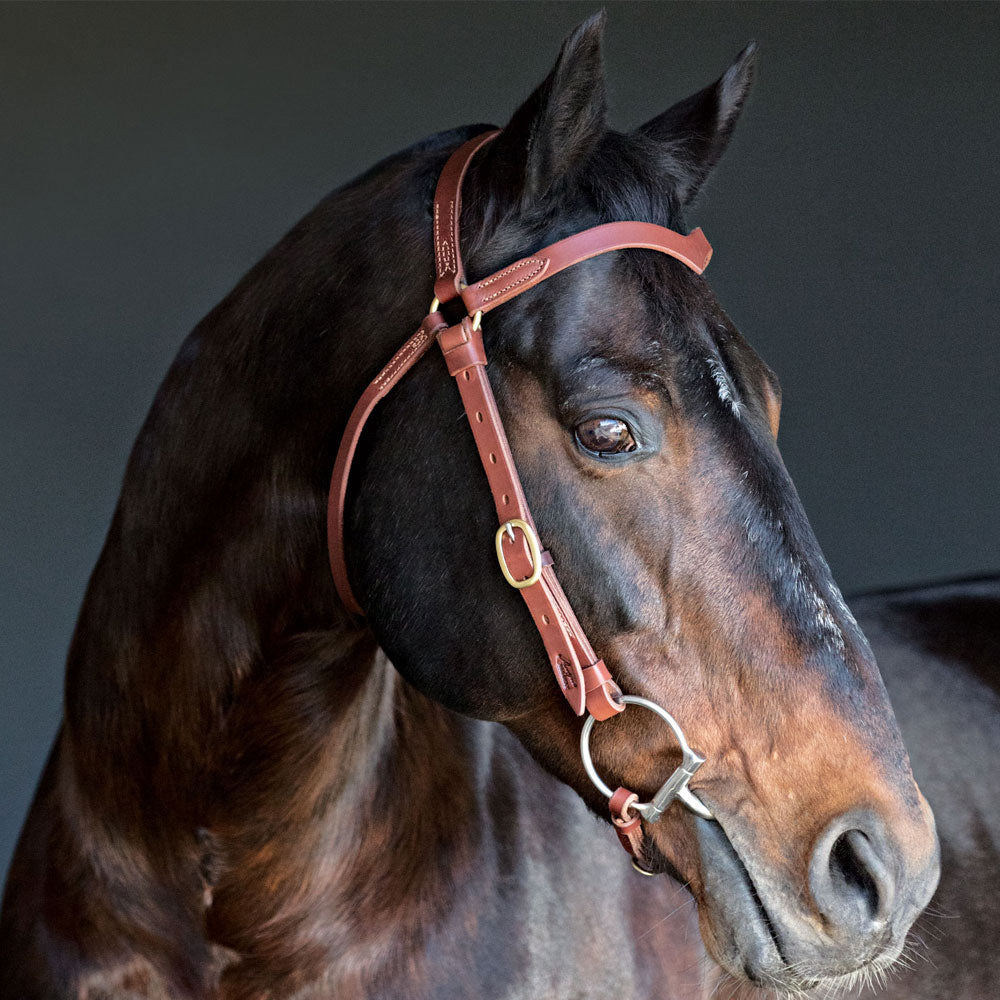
644	428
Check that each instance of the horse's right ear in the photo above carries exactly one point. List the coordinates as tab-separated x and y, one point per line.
694	133
558	126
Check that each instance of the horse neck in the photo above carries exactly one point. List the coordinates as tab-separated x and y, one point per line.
215	570
248	726
322	823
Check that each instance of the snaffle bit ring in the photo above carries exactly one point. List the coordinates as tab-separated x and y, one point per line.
675	787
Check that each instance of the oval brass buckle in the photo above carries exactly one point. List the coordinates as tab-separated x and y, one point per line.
533	546
675	787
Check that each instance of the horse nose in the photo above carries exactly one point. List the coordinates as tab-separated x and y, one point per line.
853	876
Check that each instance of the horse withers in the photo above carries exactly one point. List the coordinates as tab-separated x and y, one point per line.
255	793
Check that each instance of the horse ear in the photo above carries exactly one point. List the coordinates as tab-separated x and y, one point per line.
558	126
697	130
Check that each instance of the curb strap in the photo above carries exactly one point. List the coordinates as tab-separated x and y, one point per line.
583	678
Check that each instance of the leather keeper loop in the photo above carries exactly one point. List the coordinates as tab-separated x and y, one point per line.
619	804
629	831
602	693
462	347
446	289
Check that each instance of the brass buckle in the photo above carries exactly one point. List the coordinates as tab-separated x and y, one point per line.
533	546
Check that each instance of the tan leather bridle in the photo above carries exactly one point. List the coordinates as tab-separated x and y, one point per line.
583	678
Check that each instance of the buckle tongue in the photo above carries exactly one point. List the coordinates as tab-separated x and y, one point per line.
533	545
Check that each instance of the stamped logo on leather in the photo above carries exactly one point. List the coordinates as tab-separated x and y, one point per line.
567	676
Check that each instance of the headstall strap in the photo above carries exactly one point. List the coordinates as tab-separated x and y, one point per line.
582	677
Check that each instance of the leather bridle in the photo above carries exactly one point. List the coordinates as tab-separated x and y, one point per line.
583	678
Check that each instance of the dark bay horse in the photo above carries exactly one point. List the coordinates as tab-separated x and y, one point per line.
255	794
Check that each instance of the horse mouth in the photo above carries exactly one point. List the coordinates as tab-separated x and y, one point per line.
746	942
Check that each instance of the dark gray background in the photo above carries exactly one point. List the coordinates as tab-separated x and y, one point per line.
151	154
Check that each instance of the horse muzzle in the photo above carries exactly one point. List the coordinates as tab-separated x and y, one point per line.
859	901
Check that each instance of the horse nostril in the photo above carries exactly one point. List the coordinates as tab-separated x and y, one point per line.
848	870
851	878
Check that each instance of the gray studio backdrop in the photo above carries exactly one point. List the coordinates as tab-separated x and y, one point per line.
152	153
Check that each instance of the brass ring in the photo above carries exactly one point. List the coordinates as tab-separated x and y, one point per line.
533	546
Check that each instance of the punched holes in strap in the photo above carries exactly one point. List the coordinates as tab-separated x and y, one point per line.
583	679
462	348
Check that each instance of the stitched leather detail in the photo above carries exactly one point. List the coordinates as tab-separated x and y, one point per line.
398	364
692	250
443	245
447	249
537	266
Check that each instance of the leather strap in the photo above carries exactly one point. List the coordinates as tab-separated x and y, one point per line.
401	362
582	677
693	250
448	218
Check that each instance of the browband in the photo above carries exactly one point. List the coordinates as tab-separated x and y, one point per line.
582	677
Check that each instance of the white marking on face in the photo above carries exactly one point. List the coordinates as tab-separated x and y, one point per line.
724	386
811	597
805	593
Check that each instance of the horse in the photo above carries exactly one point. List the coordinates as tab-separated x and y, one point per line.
256	793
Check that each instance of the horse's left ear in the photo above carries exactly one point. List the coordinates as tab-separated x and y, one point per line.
697	130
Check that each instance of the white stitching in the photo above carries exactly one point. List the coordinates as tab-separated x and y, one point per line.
540	266
390	370
507	270
437	235
452	238
444	248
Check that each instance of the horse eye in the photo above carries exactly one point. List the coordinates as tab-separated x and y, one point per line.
605	436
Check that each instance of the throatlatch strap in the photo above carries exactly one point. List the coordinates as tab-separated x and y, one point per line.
402	361
582	677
